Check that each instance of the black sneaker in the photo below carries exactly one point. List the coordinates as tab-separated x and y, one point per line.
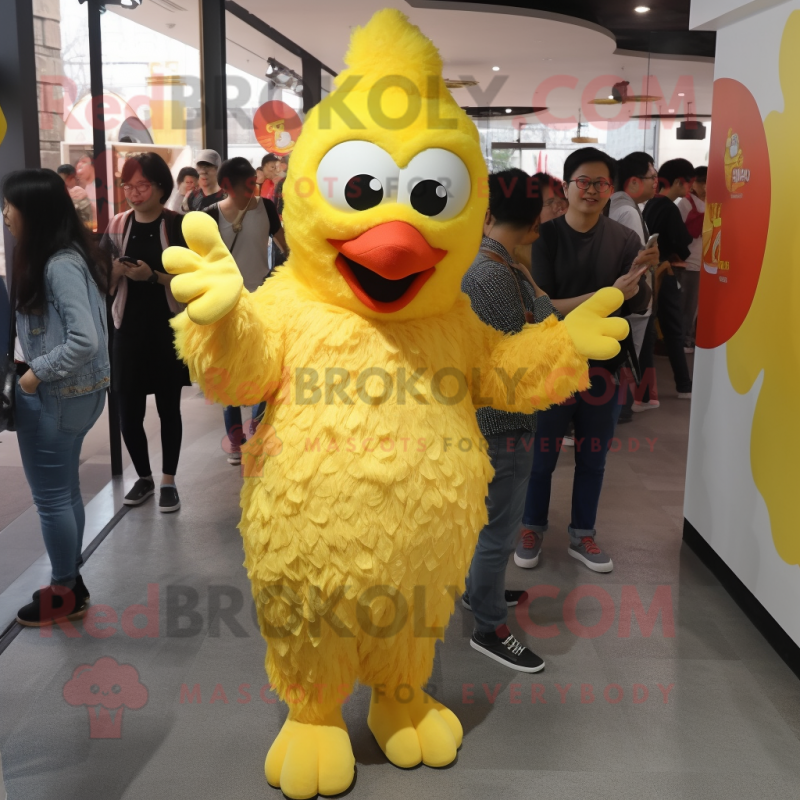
81	592
51	605
169	500
504	648
142	489
513	596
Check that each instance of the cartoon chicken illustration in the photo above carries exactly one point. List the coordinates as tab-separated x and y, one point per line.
734	160
283	139
360	531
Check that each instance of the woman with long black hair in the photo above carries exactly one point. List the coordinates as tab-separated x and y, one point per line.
145	361
61	355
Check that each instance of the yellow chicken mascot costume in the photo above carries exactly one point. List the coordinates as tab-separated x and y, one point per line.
359	529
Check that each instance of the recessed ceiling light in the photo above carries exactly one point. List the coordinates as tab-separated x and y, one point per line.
611	97
681	94
641	9
495	69
508	111
672	111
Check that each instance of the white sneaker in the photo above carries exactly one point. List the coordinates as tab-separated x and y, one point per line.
650	404
235	458
684	395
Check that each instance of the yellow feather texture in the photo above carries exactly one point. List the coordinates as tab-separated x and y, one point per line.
365	486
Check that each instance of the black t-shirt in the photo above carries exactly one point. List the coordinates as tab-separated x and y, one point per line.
664	218
567	263
147	312
197	201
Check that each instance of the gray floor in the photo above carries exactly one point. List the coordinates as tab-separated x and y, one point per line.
730	726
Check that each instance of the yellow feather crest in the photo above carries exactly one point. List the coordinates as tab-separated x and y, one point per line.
390	45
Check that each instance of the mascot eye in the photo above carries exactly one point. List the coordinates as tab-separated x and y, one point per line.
116	688
356	176
363	192
94	689
429	198
436	183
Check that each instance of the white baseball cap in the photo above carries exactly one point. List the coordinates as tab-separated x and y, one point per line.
210	157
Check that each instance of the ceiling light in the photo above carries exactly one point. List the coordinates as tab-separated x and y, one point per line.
672	111
681	94
495	69
508	111
641	9
611	97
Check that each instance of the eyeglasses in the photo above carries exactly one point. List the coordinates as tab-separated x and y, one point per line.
554	202
653	177
136	188
601	185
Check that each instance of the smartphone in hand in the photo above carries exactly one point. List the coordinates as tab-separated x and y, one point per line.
128	260
651	242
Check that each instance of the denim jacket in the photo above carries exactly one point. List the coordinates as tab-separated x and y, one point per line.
66	345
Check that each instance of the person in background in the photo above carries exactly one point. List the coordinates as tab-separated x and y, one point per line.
575	256
87	180
246	223
270	166
208	190
187	182
62	365
259	180
145	361
80	199
693	209
554	204
664	218
637	180
502	293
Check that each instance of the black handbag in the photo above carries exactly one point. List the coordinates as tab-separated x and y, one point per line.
8	373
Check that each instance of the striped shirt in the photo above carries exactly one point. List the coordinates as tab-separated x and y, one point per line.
493	291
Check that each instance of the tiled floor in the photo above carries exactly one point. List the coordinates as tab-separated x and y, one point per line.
693	704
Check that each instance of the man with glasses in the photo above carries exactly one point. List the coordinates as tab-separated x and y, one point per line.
576	255
637	182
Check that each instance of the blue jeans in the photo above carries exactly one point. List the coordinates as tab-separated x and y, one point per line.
233	422
511	454
594	414
50	432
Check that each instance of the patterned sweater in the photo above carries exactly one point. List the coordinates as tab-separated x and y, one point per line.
495	299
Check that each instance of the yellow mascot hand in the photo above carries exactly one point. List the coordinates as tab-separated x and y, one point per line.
593	335
206	278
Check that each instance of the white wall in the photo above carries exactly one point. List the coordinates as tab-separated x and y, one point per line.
669	147
722	501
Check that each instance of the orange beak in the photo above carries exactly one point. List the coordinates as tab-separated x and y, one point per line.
387	265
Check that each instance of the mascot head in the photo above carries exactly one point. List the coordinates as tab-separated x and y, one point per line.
386	190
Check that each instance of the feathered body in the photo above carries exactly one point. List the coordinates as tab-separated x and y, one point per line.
369	470
365	486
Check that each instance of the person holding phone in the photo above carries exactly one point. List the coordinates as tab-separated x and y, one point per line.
144	358
575	256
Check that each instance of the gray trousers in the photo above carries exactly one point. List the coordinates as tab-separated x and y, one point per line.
690	293
512	458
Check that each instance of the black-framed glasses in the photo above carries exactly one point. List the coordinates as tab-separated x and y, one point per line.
601	185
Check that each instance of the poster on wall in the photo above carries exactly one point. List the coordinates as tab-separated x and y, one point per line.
737	213
277	126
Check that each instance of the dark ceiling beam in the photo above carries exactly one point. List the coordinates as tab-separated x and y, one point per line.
663	30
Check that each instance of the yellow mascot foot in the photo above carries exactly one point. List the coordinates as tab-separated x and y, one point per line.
307	759
419	731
